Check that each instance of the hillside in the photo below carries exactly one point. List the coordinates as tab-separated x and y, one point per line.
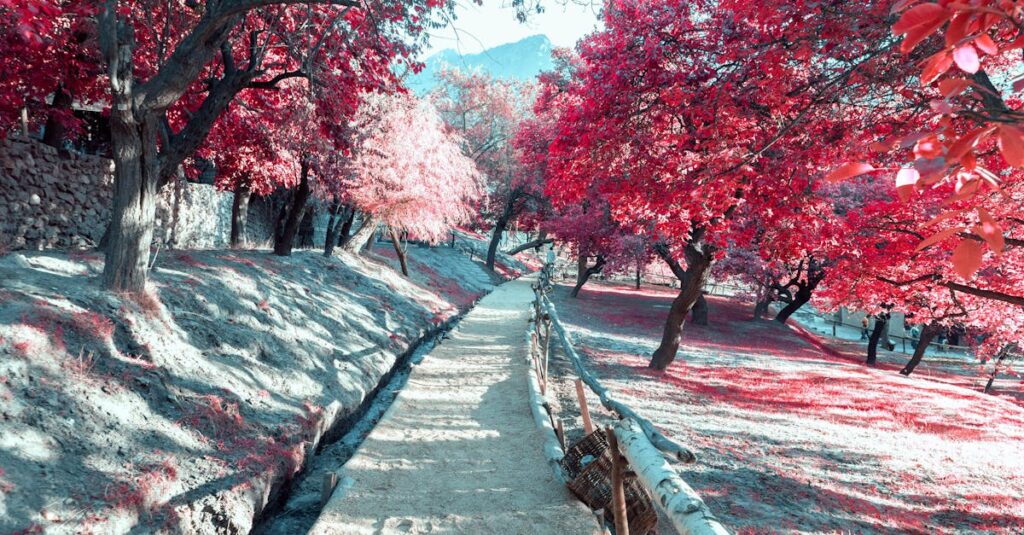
191	408
521	60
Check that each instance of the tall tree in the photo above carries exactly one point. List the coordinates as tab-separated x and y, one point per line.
690	117
173	70
487	113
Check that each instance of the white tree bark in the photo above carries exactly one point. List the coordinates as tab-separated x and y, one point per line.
660	441
687	511
538	406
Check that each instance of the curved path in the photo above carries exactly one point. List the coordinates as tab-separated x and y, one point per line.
458	451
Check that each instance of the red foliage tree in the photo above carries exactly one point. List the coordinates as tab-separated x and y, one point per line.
692	117
49	58
172	70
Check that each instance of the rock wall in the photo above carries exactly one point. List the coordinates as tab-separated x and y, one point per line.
50	200
198	216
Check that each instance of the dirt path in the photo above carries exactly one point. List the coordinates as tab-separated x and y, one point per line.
458	451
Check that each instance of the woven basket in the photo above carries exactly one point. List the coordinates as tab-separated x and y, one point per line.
592	483
643	518
595	445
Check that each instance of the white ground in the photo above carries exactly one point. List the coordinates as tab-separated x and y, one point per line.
793	439
458	451
185	412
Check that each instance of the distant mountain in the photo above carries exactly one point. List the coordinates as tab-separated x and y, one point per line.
521	60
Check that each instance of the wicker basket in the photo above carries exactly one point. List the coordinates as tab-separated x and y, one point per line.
643	518
595	445
592	483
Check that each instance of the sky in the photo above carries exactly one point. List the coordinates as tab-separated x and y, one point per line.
494	23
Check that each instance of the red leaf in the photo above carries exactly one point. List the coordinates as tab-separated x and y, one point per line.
957	28
900	6
966	57
942	217
969	161
937	65
1011	145
878	146
936	238
952	87
986	44
918	23
1015	44
910	139
967	258
966	142
849	170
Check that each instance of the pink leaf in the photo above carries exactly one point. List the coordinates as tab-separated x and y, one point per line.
990	231
966	57
936	238
906	179
986	44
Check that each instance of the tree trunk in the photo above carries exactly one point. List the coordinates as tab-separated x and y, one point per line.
691	287
53	132
927	335
170	238
286	239
995	366
761	308
360	238
681	305
239	216
284	197
345	234
397	243
331	238
530	245
800	299
638	279
492	249
372	240
584	272
306	229
700	310
136	172
881	322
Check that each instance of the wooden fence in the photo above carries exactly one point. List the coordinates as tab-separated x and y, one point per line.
642	445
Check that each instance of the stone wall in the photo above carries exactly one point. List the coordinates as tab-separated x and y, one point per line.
202	219
51	200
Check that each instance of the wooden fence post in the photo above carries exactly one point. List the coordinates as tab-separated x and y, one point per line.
588	425
327	488
618	491
547	346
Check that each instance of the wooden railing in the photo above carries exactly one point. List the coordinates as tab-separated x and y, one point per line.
639	441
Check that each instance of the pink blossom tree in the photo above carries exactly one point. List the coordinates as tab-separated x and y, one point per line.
408	172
